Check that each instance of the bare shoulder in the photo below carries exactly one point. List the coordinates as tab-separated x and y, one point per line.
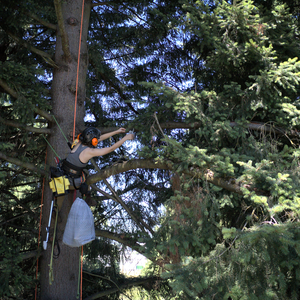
87	154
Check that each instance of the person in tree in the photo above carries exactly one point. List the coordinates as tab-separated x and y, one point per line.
85	148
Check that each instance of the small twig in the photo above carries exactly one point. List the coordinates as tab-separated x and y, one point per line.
155	117
227	249
140	223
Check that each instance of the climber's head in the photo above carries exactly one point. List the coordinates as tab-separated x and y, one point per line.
90	136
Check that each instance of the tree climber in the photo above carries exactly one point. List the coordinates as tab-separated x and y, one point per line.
70	171
84	148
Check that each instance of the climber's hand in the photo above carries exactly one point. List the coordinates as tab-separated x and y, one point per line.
121	130
130	136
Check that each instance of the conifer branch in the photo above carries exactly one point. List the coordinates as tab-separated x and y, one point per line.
47	57
62	30
136	282
140	223
8	89
126	166
128	284
101	3
14	94
115	87
33	232
119	237
16	199
44	114
119	91
30	254
25	165
26	255
257	126
14	218
25	127
106	195
41	21
206	174
21	184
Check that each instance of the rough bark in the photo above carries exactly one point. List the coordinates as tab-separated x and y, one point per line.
65	267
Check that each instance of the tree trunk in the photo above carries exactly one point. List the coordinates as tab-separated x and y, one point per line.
66	266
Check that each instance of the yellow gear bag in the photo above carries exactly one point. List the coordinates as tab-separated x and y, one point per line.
59	185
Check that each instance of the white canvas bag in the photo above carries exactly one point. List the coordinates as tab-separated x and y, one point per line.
80	228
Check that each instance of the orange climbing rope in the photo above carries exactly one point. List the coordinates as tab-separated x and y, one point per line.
40	226
78	61
74	126
81	272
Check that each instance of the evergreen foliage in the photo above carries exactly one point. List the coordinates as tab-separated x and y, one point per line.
212	90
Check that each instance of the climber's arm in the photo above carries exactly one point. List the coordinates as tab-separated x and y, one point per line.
89	153
109	134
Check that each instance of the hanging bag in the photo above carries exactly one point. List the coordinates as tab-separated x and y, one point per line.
80	228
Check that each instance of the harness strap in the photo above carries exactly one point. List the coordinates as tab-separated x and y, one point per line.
72	169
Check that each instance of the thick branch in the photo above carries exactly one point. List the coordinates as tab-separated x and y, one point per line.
23	164
8	89
33	231
126	166
263	127
62	30
14	218
121	238
27	128
41	21
44	114
47	57
30	254
27	255
140	223
107	196
257	126
207	174
19	202
119	91
116	88
122	287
